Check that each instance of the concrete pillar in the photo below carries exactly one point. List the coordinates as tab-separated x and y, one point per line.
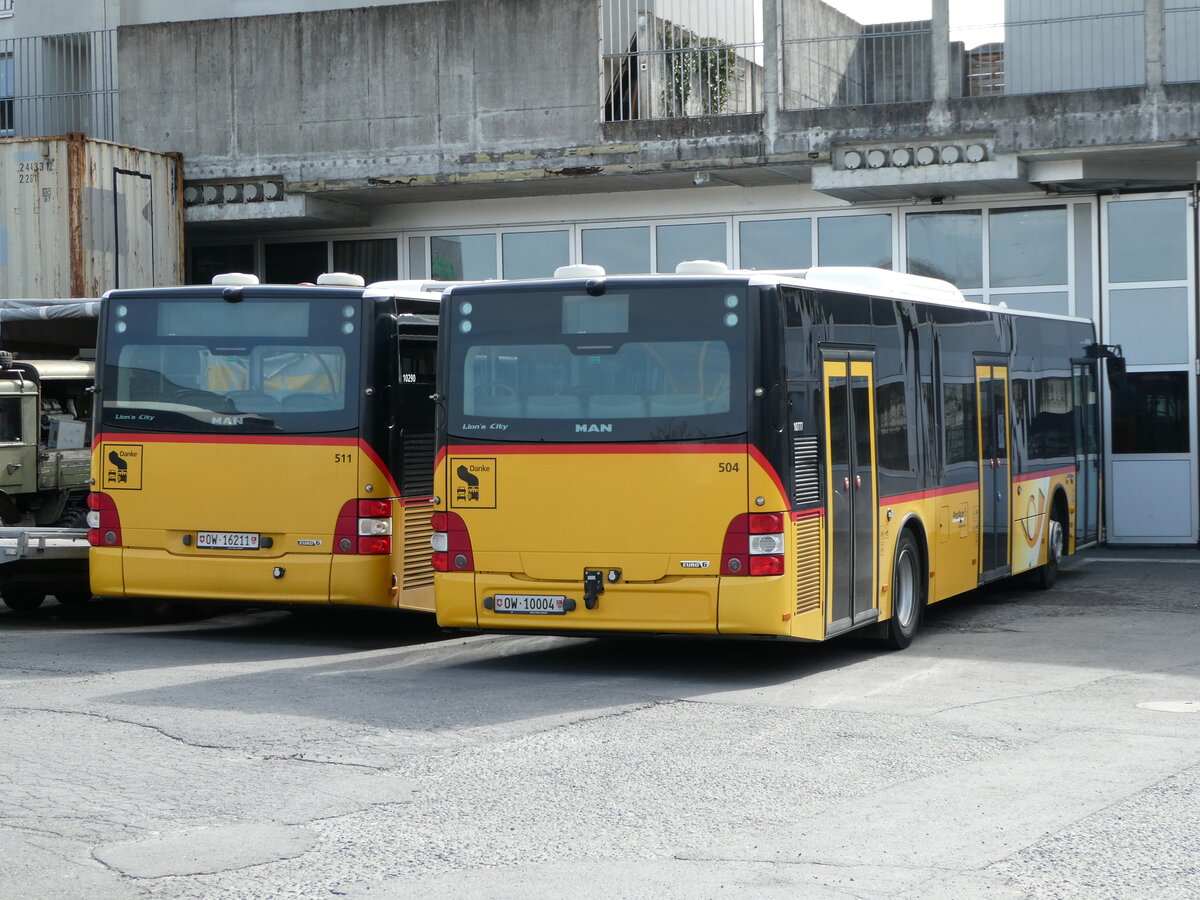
939	69
940	48
772	76
1154	46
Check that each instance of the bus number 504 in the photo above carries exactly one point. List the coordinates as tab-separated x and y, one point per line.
727	467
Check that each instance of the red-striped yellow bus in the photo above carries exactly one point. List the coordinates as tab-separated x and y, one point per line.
265	443
794	455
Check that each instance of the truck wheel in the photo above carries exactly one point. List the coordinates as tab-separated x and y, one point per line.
73	517
23	599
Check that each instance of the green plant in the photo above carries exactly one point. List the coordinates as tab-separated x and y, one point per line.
696	62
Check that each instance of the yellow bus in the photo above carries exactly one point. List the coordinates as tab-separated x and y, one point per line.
265	443
793	455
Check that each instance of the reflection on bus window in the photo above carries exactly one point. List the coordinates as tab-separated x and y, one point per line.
261	379
638	381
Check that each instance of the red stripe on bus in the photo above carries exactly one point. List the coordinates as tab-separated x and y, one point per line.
817	513
932	492
480	449
1049	473
154	437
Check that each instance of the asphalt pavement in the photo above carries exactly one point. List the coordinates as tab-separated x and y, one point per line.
1028	744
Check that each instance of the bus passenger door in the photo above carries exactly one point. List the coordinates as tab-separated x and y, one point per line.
995	476
851	489
1087	454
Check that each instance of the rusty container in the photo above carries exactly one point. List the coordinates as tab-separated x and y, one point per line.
79	216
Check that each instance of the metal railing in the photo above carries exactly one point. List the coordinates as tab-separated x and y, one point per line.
1106	48
829	59
883	63
681	59
58	83
1181	33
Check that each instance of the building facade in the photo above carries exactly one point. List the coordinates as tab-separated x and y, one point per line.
1036	153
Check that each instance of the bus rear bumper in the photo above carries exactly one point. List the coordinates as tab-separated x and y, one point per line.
287	578
688	605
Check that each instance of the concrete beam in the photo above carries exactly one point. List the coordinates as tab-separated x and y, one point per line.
294	211
1004	175
1092	173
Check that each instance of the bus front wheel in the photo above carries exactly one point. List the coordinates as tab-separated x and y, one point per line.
908	593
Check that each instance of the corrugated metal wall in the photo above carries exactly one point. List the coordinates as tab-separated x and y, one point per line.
79	217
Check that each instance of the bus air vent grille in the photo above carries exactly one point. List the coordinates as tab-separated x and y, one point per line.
417	480
808	479
418	529
808	564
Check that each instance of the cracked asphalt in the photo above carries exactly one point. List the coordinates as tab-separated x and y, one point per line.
1028	744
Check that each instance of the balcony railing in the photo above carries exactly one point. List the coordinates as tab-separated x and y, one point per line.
882	63
58	83
697	59
6	7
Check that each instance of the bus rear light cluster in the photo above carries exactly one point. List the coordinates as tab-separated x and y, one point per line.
754	545
451	544
364	527
104	524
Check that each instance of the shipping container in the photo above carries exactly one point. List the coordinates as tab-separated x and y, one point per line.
79	216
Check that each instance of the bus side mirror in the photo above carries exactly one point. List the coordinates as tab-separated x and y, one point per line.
1113	358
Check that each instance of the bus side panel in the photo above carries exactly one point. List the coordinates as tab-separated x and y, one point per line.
1031	513
954	549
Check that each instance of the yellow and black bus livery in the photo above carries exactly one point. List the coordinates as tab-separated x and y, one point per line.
265	443
793	455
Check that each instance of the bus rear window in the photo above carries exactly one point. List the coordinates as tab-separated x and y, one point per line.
622	366
265	364
637	381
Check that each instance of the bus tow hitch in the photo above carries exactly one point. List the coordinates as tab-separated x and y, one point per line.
593	587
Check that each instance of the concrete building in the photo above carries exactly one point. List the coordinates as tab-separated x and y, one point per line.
1034	152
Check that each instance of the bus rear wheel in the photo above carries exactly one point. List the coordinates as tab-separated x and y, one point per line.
1047	575
908	593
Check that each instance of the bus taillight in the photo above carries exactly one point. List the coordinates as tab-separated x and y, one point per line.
754	545
364	527
451	544
104	524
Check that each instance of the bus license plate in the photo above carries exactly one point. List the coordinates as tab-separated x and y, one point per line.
532	604
227	540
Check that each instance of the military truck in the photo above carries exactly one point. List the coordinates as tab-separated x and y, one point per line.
45	436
